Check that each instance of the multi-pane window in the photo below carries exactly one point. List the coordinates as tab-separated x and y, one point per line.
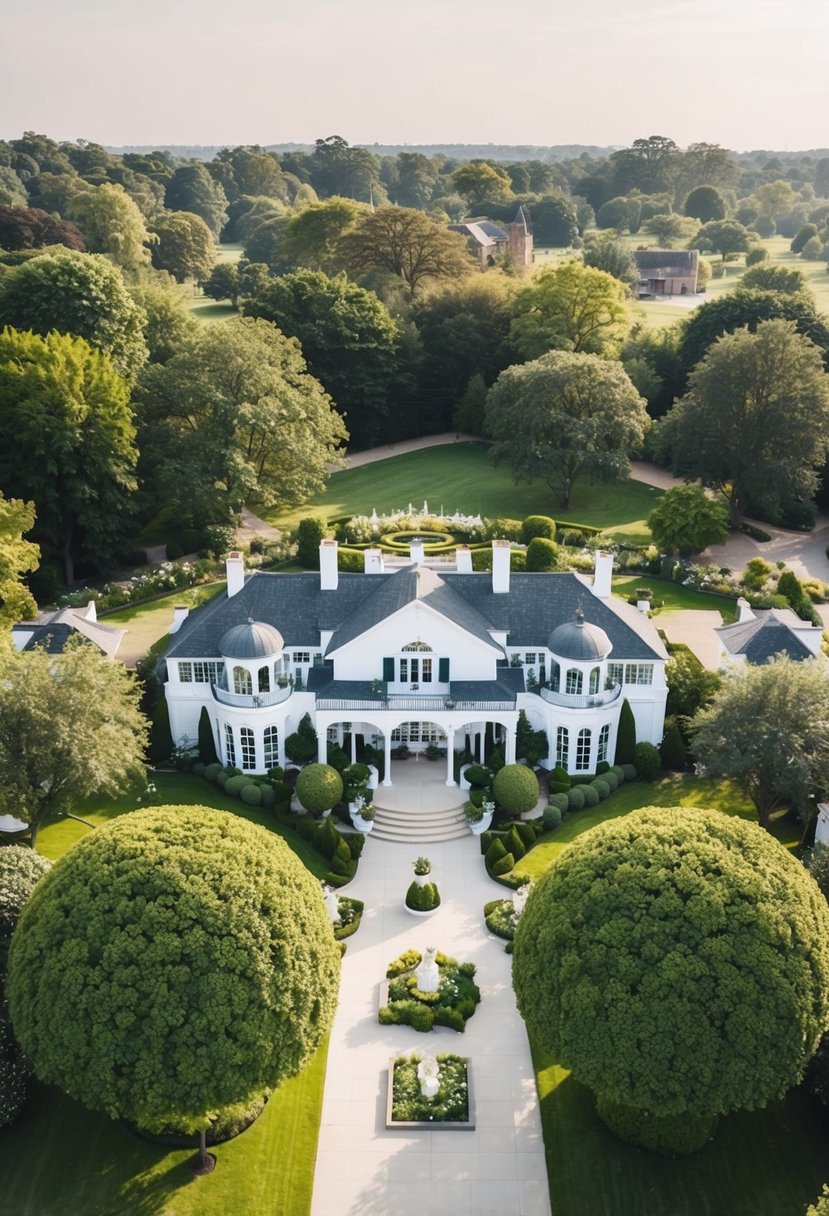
248	747
302	656
583	750
200	672
573	682
562	746
271	747
230	749
417	732
594	679
615	673
639	673
531	657
242	682
426	671
555	676
264	679
604	743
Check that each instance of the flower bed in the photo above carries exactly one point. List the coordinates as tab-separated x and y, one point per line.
351	913
452	1105
452	1005
501	920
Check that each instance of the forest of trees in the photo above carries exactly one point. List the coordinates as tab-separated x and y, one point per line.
358	311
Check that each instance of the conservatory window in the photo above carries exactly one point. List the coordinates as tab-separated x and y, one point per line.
604	743
573	684
583	750
595	675
264	679
242	682
229	745
271	747
248	747
562	746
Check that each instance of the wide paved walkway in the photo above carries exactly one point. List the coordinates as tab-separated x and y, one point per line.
364	1170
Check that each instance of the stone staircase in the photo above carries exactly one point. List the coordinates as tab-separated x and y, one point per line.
417	827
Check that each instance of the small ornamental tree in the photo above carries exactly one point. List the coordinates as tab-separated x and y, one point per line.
309	534
195	951
652	959
626	734
542	555
537	525
686	520
516	788
319	787
207	744
301	746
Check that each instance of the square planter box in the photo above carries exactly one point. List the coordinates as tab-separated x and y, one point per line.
428	1125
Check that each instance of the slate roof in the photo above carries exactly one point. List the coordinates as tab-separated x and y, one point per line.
764	637
294	604
578	639
54	632
251	640
484	232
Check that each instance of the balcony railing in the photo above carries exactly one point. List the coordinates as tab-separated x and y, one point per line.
257	700
573	701
417	704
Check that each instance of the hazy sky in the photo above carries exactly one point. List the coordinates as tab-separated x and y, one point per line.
743	73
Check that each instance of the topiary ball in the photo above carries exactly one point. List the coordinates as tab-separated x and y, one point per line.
516	788
591	795
175	962
319	787
652	958
575	798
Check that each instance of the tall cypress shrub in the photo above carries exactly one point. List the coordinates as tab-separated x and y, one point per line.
207	747
161	740
626	738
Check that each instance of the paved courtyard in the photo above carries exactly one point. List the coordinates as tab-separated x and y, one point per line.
496	1170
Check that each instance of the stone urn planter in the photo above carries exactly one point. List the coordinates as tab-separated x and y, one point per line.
478	826
361	823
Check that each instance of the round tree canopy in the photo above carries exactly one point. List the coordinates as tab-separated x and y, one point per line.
677	961
174	962
516	788
319	787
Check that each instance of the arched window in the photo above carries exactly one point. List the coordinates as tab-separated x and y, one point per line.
555	676
248	747
595	676
264	679
573	684
230	750
562	746
271	744
583	750
417	646
604	743
242	682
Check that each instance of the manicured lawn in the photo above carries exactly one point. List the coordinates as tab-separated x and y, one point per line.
459	476
770	1161
147	623
677	789
675	596
62	1160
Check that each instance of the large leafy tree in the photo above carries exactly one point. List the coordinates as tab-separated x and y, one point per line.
348	340
417	177
29	228
18	556
70	726
67	444
236	410
767	729
705	203
569	307
194	949
311	237
652	959
191	188
564	417
112	224
606	252
750	307
81	294
407	243
184	246
481	182
754	424
169	323
339	169
724	237
649	165
554	221
686	520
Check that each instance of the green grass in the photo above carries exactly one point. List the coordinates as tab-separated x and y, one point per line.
675	596
62	1160
762	1163
209	311
147	623
759	1163
459	476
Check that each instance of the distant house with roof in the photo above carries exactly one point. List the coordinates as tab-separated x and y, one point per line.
762	633
419	655
667	272
491	243
52	631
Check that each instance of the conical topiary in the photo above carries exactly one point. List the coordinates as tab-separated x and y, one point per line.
207	747
626	736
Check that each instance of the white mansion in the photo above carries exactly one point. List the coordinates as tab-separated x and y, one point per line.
415	656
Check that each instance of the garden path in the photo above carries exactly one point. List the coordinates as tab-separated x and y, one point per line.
498	1169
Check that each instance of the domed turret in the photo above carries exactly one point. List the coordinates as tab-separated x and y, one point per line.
580	641
252	640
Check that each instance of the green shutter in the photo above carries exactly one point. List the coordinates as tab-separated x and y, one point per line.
443	671
388	670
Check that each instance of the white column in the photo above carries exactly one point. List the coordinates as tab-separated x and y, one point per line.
450	756
509	756
387	768
353	743
322	745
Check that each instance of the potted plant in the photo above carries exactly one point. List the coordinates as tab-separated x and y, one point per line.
363	818
479	818
422	899
422	867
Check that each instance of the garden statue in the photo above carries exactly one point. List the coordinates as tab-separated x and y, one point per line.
332	903
428	1074
426	973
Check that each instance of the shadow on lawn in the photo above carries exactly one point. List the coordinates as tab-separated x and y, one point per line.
761	1162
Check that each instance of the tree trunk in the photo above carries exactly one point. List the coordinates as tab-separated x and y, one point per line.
203	1148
